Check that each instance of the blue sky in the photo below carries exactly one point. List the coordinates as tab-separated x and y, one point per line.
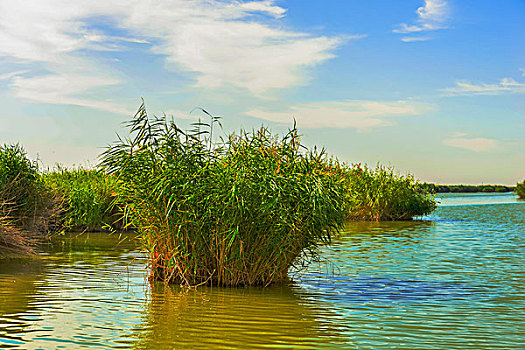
434	87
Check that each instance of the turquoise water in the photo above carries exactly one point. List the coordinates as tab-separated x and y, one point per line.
453	280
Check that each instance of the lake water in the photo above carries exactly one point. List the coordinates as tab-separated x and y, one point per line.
455	280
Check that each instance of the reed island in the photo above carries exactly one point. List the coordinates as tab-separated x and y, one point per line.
208	208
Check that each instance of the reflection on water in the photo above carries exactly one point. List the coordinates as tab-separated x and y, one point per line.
452	280
219	317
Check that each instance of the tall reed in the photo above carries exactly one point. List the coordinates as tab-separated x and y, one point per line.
22	196
381	194
87	199
238	211
20	200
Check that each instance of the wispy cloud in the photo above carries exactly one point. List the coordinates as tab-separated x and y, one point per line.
65	88
506	85
357	114
222	43
11	75
411	39
265	7
476	144
432	16
459	134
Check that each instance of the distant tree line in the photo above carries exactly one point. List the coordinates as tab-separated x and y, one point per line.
435	188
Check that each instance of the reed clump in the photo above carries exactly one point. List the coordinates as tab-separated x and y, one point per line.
87	199
21	201
238	211
381	194
19	186
520	190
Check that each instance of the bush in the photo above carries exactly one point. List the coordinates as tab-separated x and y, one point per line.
520	190
380	194
87	199
238	212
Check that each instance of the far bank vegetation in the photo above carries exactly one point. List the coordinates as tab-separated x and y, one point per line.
520	190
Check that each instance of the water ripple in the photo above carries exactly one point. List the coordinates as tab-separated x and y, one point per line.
452	280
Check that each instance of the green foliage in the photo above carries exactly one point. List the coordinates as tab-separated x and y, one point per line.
234	212
19	186
380	194
21	201
520	190
86	198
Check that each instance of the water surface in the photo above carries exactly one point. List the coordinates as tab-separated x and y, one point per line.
454	280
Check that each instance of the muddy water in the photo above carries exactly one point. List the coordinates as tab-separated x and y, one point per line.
454	280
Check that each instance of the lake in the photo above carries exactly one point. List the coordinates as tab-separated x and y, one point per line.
453	280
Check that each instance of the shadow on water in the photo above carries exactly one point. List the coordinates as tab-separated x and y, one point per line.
350	270
382	289
368	242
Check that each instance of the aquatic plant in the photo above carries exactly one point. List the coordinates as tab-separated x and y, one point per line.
87	199
381	194
237	211
20	186
520	190
19	200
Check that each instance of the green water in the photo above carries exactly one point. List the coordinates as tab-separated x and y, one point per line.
452	281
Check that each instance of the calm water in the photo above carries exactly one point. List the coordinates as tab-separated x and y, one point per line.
455	280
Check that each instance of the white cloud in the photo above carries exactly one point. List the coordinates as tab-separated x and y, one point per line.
433	11
476	144
64	88
431	16
506	85
411	39
224	49
358	114
223	43
264	6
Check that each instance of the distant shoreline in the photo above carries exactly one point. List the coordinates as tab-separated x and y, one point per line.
436	188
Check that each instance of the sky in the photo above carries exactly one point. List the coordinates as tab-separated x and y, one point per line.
434	88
